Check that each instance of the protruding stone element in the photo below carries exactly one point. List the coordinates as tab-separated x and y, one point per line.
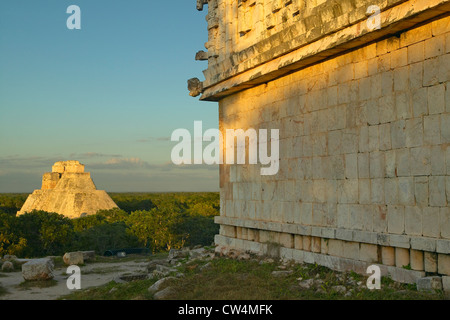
73	258
38	270
195	87
201	56
69	191
200	4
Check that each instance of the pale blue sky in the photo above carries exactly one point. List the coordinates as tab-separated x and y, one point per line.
109	95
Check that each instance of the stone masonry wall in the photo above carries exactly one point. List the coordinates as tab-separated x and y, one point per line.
364	160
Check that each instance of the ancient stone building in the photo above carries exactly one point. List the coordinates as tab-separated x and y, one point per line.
69	191
361	99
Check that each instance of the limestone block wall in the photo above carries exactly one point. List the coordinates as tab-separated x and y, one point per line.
71	166
251	42
364	159
50	180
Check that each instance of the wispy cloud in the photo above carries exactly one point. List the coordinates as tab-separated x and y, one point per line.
138	163
152	139
90	155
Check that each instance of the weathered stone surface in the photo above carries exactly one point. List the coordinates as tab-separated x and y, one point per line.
164	270
73	258
178	254
7	266
446	284
158	284
198	253
195	87
429	284
38	269
201	55
69	191
364	160
164	294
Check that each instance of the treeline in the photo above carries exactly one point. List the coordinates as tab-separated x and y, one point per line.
157	221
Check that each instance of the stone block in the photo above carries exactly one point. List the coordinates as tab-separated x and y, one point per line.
38	270
351	250
363	165
398	136
416	52
403	162
443	246
434	47
430	222
445	128
429	284
324	246
287	240
421	191
73	258
388	256
347	191
403	105
440	26
406	191
420	161
335	248
377	191
444	69
438	167
364	191
391	191
413	220
438	197
351	166
444	222
399	240
368	253
401	257
431	70
344	234
446	284
396	219
307	241
316	244
228	231
399	58
444	264
298	242
436	99
417	260
385	137
379	218
430	262
306	213
416	75
423	243
414	132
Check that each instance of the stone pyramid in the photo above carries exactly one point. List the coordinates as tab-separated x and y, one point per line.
69	191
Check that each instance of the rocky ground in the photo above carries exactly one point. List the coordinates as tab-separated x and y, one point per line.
93	275
195	273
